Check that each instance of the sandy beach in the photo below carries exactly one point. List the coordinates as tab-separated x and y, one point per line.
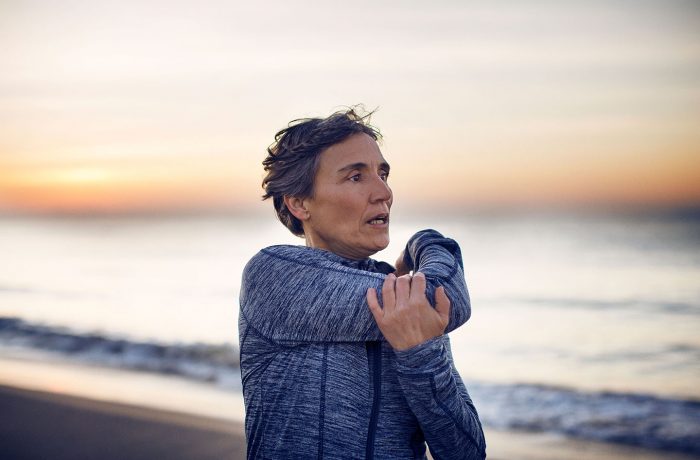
62	409
38	424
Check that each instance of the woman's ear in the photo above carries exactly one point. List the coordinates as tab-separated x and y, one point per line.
297	207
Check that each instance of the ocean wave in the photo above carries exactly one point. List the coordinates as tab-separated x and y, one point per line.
205	362
634	419
626	418
653	357
16	289
660	306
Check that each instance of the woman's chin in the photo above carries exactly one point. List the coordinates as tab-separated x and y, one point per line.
381	243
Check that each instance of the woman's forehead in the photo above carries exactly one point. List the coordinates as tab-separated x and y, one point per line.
359	150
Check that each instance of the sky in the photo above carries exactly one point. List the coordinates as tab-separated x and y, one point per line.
153	106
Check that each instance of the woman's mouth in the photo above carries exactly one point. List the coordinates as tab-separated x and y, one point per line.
380	219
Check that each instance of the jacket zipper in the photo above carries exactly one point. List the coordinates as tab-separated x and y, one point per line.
374	356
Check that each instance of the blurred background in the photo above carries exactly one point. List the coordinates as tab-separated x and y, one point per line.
557	142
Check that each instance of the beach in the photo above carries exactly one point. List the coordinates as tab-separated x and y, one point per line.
38	424
146	149
54	408
597	361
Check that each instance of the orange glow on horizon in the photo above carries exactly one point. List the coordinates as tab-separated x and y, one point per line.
671	180
207	184
144	187
481	103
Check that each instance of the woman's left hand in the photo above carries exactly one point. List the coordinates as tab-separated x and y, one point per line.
407	318
401	268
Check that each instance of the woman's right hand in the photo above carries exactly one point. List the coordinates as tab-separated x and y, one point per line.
407	318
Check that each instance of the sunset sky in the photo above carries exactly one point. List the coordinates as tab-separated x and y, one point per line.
169	105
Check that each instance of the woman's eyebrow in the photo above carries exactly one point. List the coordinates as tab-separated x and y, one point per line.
384	165
352	166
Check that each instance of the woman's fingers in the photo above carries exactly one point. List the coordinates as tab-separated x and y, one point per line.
388	298
418	286
403	290
407	318
374	307
388	294
401	268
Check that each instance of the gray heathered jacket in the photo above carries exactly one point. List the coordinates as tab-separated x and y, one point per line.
320	380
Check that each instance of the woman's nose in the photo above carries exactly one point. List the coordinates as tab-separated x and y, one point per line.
381	190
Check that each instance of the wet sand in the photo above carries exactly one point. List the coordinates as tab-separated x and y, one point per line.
39	424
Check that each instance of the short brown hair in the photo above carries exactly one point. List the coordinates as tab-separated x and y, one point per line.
292	160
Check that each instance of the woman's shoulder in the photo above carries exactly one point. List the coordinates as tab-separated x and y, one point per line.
287	256
290	252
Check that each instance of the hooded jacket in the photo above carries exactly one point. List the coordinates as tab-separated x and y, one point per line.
320	380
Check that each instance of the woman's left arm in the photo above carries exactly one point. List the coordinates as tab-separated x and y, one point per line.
432	387
440	401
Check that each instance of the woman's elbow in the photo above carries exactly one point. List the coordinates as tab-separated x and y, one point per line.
462	304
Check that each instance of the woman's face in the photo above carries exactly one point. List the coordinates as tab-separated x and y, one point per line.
349	212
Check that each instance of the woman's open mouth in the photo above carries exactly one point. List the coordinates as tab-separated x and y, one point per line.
379	220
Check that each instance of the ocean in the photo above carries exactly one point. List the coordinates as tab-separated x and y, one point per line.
582	325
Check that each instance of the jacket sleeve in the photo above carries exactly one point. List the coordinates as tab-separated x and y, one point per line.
292	295
440	401
440	260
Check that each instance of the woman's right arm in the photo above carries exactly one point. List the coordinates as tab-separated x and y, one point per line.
295	295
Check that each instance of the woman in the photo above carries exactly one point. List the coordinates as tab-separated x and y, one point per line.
329	370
